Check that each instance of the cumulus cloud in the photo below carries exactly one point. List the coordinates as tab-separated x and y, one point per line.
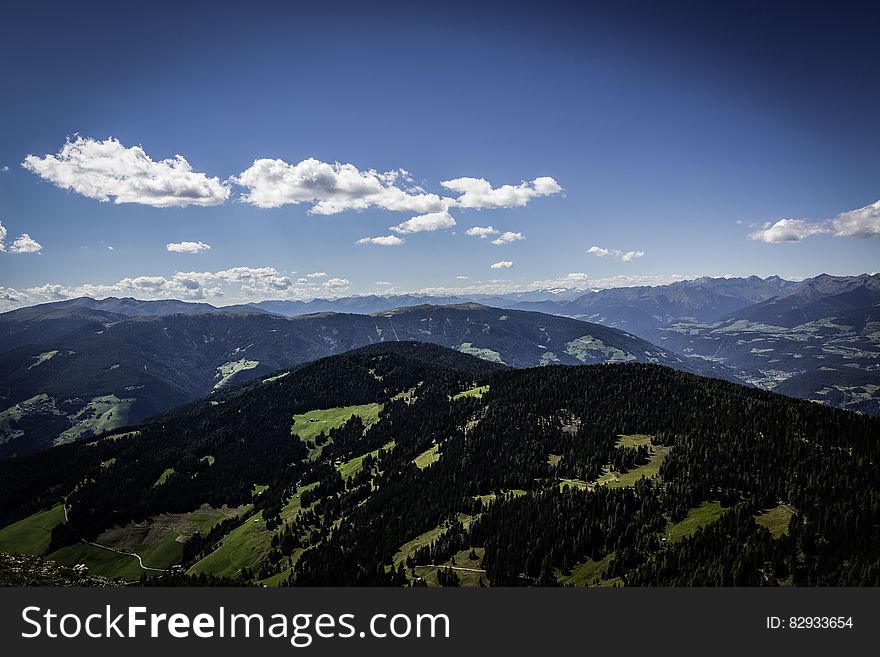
508	237
4	169
317	274
384	283
787	230
106	170
187	247
332	188
383	240
479	193
234	285
862	223
24	243
623	256
481	231
337	285
425	223
502	264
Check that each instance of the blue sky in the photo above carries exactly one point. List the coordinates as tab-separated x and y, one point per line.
673	134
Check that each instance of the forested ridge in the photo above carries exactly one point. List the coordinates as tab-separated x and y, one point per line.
535	479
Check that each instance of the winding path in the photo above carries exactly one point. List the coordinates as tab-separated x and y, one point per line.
129	554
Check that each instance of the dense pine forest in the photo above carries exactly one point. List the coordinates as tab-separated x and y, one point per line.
407	464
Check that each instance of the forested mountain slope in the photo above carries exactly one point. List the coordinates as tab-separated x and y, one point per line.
74	371
407	464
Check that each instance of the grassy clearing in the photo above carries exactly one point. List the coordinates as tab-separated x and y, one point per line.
553	459
159	541
485	354
278	578
491	497
291	509
101	414
409	548
584	574
352	467
469	570
167	472
477	392
589	349
31	535
308	425
573	483
649	470
776	519
100	561
406	395
244	547
247	545
428	457
228	370
633	440
706	513
164	554
114	437
276	377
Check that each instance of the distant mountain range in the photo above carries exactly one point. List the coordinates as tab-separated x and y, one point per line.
819	341
75	368
632	309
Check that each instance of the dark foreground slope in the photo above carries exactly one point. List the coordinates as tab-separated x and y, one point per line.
614	474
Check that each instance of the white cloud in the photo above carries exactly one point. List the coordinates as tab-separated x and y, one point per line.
105	170
332	188
337	285
503	264
4	169
479	193
623	256
317	274
507	238
787	230
384	240
186	247
462	278
582	281
424	223
24	243
862	223
573	280
384	283
234	285
481	231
